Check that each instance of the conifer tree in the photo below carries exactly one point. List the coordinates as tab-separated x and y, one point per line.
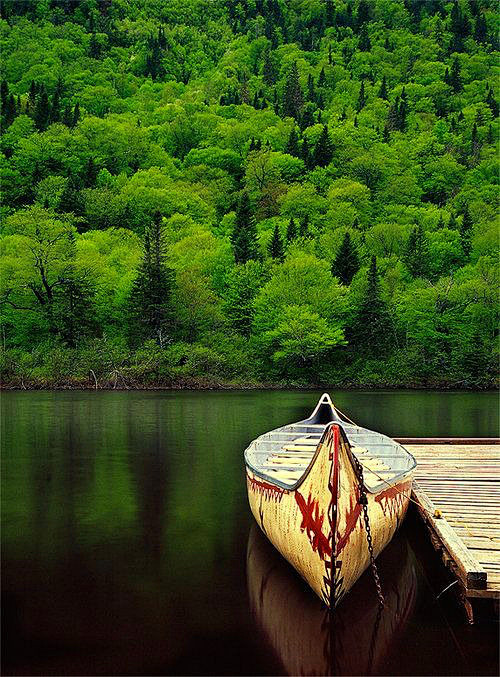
275	248
150	299
466	232
416	253
90	174
94	47
293	100
363	14
362	97
67	116
268	68
291	231
76	115
305	154
292	146
42	111
304	227
323	152
480	29
492	103
329	13
346	263
364	43
244	235
322	78
383	89
370	328
455	76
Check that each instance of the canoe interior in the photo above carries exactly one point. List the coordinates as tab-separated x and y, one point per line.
282	456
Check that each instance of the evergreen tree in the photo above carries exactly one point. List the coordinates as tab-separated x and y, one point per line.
150	299
329	13
363	14
72	312
94	47
293	97
466	232
268	68
383	89
291	231
292	146
370	329
481	29
346	263
492	103
416	253
244	235
362	97
76	115
90	174
364	43
42	111
322	78
323	152
455	76
275	248
67	116
304	227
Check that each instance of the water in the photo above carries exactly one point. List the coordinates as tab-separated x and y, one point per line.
128	549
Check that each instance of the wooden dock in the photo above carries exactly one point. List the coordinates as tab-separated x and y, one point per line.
457	490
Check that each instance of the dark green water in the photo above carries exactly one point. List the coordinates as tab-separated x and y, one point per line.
125	531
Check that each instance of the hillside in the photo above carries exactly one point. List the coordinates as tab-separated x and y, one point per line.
265	191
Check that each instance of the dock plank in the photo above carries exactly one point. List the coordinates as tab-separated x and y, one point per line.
457	489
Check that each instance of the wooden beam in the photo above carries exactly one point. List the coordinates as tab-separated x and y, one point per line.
471	572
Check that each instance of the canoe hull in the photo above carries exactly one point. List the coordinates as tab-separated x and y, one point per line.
318	525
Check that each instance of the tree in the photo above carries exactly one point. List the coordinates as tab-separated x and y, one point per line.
304	226
416	253
241	287
455	76
346	263
42	110
293	99
322	77
323	152
244	235
150	299
492	103
268	68
383	94
371	327
361	98
364	43
292	146
275	248
291	231
466	232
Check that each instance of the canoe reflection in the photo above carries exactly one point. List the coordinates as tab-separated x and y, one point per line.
358	638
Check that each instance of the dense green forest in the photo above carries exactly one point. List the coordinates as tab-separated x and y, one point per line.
265	191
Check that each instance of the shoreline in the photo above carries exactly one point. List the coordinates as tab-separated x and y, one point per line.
194	385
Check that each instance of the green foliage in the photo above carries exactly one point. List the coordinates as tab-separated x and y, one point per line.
285	145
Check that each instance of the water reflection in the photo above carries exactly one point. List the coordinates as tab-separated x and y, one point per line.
356	639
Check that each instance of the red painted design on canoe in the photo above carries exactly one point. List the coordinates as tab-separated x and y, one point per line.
393	498
351	519
269	490
312	523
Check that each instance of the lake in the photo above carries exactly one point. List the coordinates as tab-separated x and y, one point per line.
128	546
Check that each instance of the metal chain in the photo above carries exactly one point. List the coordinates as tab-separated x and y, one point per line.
363	499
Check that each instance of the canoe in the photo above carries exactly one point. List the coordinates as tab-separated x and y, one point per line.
358	639
314	485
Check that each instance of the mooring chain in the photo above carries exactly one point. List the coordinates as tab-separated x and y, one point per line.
363	500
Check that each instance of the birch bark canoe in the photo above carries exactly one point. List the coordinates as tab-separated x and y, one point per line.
305	494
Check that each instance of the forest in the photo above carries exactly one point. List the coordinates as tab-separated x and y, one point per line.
257	192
